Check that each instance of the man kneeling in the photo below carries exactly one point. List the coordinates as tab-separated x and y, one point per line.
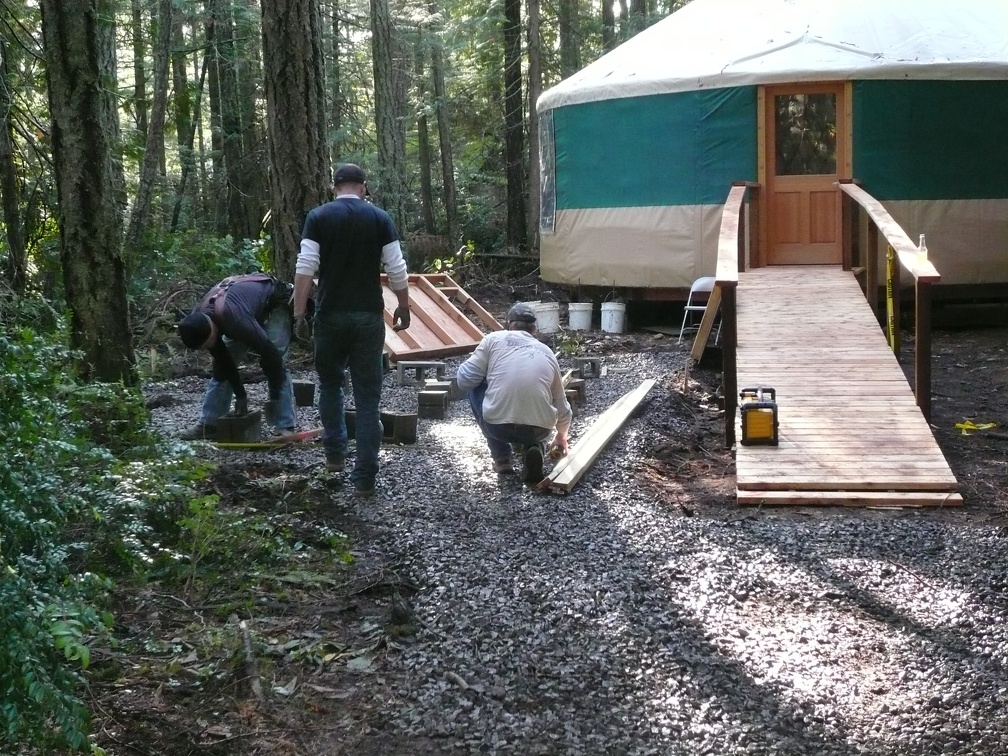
517	395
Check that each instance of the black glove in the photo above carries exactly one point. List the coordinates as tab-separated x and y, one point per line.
400	318
302	329
241	405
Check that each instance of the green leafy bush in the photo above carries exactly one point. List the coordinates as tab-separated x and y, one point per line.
46	616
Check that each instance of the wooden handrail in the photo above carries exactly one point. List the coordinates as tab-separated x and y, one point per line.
906	250
924	272
731	260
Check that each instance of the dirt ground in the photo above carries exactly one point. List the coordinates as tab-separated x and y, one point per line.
290	663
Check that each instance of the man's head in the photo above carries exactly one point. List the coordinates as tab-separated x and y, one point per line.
521	317
350	178
197	331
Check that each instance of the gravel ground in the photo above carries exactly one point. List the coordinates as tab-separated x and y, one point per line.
641	617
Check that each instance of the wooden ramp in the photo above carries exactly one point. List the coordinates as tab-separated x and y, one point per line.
850	430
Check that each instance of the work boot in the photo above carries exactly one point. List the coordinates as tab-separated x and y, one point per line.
501	466
199	432
335	464
532	465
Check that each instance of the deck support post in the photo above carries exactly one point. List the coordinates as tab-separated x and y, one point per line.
729	342
871	264
922	348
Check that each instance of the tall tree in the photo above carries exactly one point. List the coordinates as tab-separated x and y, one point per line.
570	38
514	124
182	110
388	57
534	90
154	149
423	136
139	69
295	106
79	41
16	254
444	139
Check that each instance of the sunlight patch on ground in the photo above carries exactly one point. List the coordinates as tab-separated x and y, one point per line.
467	446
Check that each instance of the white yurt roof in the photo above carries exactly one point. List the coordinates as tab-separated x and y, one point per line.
725	43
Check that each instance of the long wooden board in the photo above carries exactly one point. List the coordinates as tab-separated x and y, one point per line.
568	471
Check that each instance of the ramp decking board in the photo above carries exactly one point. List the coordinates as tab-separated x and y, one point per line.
850	431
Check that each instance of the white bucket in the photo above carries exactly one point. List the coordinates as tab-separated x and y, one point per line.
613	314
579	316
547	316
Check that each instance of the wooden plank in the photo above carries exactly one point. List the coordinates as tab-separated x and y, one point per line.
849	498
706	324
571	468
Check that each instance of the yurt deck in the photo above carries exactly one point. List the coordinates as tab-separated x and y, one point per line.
850	432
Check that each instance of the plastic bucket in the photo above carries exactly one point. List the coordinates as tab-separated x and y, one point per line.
547	316
613	315
579	316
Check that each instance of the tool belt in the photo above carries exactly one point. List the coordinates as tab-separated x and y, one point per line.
281	294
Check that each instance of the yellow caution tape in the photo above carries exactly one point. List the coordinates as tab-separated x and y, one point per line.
968	426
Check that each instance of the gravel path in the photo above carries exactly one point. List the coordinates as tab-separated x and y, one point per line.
609	621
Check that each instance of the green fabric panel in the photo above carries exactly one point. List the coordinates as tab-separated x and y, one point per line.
919	140
684	148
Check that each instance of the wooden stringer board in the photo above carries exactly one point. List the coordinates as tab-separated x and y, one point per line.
444	319
568	471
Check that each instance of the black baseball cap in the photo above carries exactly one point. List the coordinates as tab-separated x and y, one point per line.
194	330
348	173
521	313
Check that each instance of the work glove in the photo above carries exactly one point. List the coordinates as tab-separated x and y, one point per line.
241	405
400	318
302	329
271	410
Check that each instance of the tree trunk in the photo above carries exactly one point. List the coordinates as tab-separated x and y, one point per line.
334	76
186	145
235	186
514	124
638	17
444	138
151	165
218	178
295	105
182	107
387	52
16	253
254	171
423	139
139	74
78	37
608	27
535	89
570	38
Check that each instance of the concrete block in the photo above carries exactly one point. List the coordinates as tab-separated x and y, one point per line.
399	428
304	393
419	368
577	386
243	429
588	367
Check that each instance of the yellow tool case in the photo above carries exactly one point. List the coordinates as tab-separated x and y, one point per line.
759	416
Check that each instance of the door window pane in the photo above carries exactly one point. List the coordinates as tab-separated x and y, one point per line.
806	134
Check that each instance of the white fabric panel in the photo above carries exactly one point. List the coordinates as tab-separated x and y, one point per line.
726	43
967	240
655	247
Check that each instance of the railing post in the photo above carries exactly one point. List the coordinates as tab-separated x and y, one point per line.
871	264
922	348
847	231
729	362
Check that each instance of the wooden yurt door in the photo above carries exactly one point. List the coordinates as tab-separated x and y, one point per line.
805	129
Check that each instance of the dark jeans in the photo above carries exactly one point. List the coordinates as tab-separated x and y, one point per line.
500	436
351	340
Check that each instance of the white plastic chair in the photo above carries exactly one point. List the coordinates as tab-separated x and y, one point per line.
696	302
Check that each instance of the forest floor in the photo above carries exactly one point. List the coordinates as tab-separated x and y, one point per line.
285	636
